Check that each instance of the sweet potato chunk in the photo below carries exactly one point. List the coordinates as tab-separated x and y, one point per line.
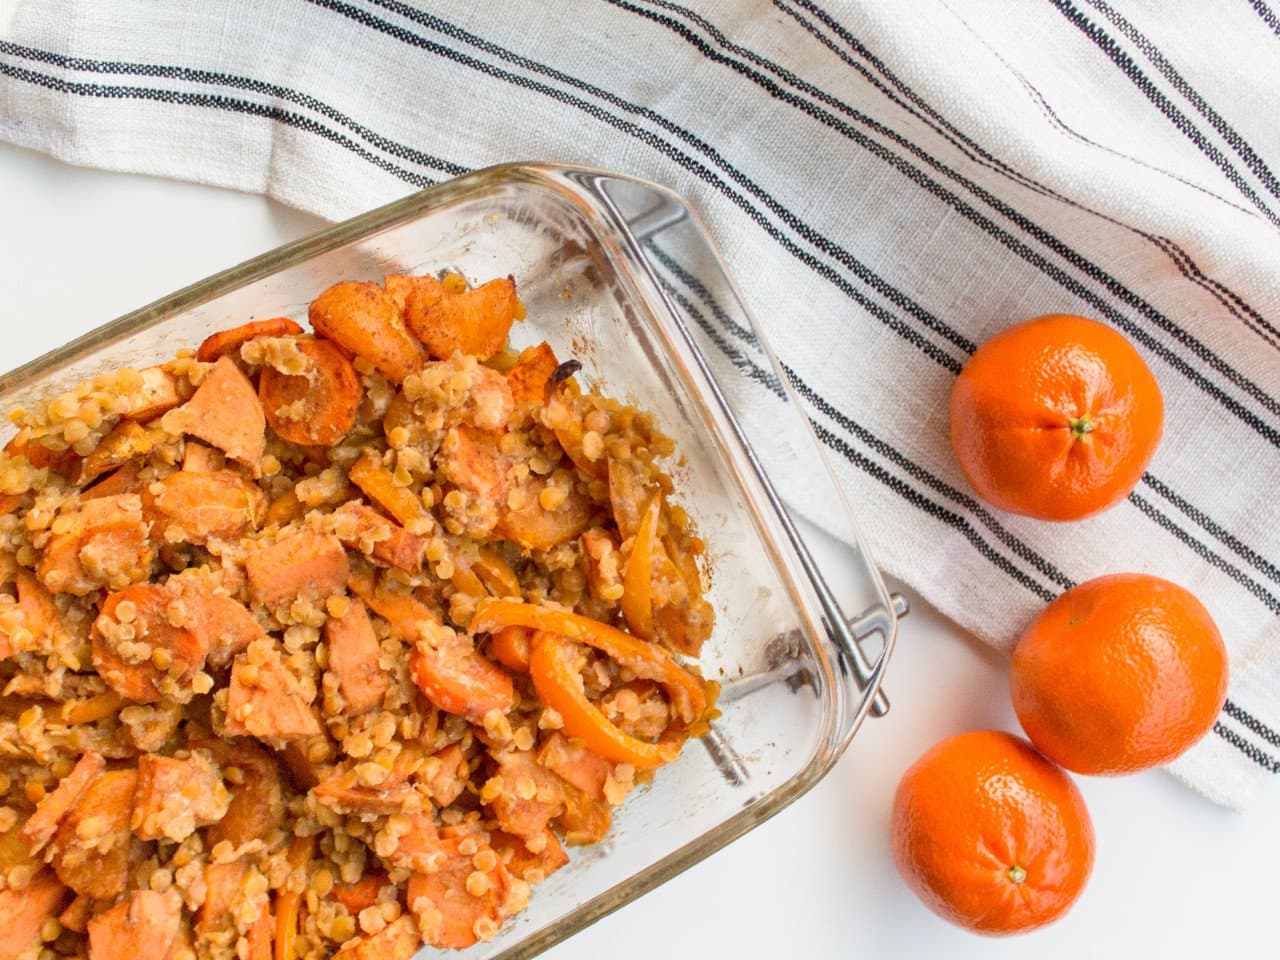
315	408
146	924
25	912
343	793
534	525
158	394
175	797
257	792
379	485
228	342
127	440
398	940
140	652
526	862
199	458
226	413
353	659
472	464
266	700
305	565
531	795
363	528
226	625
475	322
102	543
43	824
197	507
365	321
455	918
90	851
528	377
457	679
229	912
575	764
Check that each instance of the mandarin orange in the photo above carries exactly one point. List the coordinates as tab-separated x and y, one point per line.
991	835
1118	674
1055	418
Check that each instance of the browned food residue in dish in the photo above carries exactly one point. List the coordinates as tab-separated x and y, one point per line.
328	643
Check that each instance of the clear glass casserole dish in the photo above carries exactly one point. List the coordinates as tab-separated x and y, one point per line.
618	274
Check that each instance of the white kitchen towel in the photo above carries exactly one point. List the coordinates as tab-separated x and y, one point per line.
891	183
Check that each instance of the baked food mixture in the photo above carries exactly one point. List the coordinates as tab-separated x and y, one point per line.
330	643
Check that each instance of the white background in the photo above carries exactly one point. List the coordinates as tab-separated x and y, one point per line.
1175	876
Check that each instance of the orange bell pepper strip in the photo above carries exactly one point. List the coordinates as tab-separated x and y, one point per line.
646	660
288	902
554	669
637	574
510	647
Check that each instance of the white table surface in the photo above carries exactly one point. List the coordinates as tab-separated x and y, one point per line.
1175	876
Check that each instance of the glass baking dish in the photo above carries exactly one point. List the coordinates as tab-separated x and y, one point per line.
619	274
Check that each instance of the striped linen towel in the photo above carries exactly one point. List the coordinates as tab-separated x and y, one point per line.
891	183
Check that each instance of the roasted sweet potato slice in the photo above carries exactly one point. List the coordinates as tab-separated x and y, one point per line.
176	796
140	652
472	463
354	653
575	764
102	543
457	679
475	322
400	287
228	342
521	858
157	394
128	439
122	480
226	413
265	700
363	528
457	917
256	785
365	321
398	940
90	851
43	824
536	526
226	904
146	924
528	377
345	794
226	625
306	565
198	507
361	894
25	912
316	408
531	795
380	486
199	458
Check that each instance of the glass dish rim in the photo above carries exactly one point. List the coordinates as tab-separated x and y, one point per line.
599	209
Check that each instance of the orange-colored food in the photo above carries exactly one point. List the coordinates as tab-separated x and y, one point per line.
1055	418
365	321
990	835
1120	673
249	717
229	342
317	407
25	913
475	322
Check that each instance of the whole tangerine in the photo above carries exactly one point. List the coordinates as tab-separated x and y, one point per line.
1055	418
990	835
1118	674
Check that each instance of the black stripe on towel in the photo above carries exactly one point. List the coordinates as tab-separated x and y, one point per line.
1232	301
1228	133
1008	240
1111	48
1269	18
